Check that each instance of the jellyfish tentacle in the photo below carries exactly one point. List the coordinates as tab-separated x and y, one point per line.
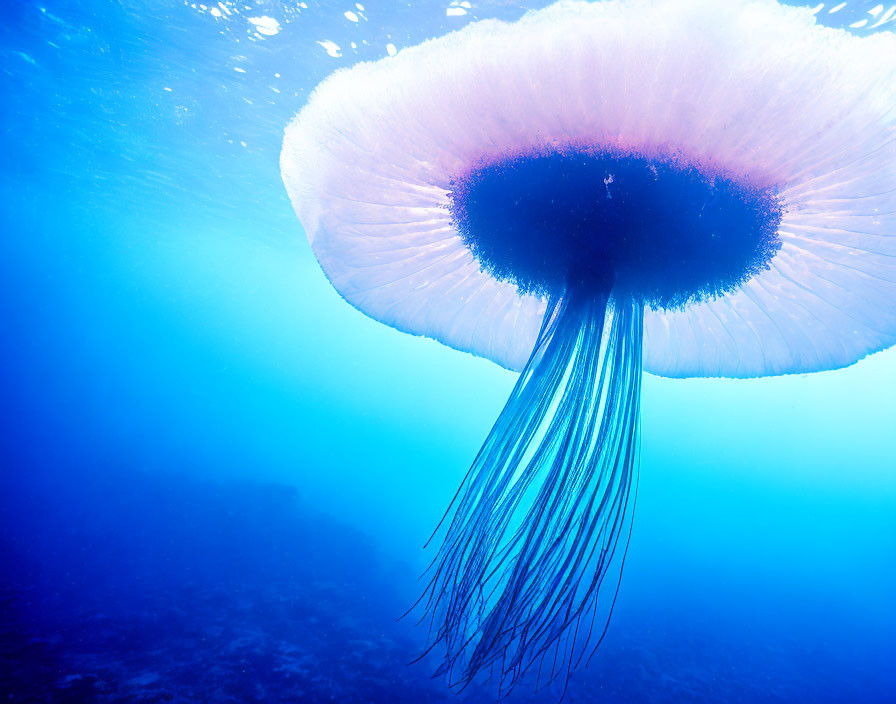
536	523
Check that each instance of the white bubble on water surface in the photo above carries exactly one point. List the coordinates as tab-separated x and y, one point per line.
332	48
265	25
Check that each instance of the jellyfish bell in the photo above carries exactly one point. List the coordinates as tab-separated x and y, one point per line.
597	189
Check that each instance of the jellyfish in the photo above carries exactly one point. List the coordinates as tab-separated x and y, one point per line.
590	192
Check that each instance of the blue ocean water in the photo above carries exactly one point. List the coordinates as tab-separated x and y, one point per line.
217	477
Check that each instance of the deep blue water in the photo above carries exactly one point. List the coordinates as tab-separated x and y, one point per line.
217	476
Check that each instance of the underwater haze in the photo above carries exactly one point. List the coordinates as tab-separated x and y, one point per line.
217	477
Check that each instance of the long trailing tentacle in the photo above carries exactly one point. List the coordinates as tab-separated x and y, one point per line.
535	525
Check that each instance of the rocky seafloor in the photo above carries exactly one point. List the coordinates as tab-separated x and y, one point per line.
184	591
